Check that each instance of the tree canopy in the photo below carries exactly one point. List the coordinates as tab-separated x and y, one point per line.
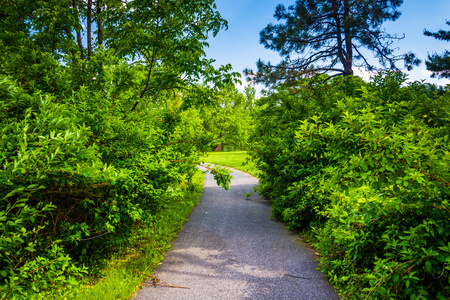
328	36
439	64
230	119
164	39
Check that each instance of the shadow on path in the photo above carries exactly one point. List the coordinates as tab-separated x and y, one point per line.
231	249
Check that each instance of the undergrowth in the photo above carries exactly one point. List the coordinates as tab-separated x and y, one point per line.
124	273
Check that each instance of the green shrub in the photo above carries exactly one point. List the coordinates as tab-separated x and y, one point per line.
290	172
78	177
371	174
47	172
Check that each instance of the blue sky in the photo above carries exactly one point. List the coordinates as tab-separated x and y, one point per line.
240	47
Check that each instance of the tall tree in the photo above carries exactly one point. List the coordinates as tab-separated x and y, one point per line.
166	37
439	64
327	36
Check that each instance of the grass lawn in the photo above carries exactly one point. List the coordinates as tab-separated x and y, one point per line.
237	160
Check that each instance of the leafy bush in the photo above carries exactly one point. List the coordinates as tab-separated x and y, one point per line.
289	171
370	172
48	172
79	177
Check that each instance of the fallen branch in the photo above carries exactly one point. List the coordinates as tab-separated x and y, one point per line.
156	282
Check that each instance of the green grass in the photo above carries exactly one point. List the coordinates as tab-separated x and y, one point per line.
237	160
125	272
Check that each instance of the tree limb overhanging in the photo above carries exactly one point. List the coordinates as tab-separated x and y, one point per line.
439	64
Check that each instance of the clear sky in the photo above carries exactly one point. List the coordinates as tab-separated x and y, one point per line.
240	46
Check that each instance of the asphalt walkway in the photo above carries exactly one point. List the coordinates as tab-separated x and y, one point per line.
231	249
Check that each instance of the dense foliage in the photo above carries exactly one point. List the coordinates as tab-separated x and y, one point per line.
230	119
366	166
95	141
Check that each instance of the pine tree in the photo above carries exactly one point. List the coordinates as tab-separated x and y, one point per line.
327	36
439	64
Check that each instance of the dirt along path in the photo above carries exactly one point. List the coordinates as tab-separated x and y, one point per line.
231	249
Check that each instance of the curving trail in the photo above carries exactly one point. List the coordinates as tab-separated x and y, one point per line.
231	249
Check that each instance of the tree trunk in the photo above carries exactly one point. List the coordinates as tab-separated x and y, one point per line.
77	17
89	28
99	23
348	64
348	68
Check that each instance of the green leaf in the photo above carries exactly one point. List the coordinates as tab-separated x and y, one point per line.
364	166
428	266
367	219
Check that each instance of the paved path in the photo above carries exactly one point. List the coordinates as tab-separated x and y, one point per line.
231	249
